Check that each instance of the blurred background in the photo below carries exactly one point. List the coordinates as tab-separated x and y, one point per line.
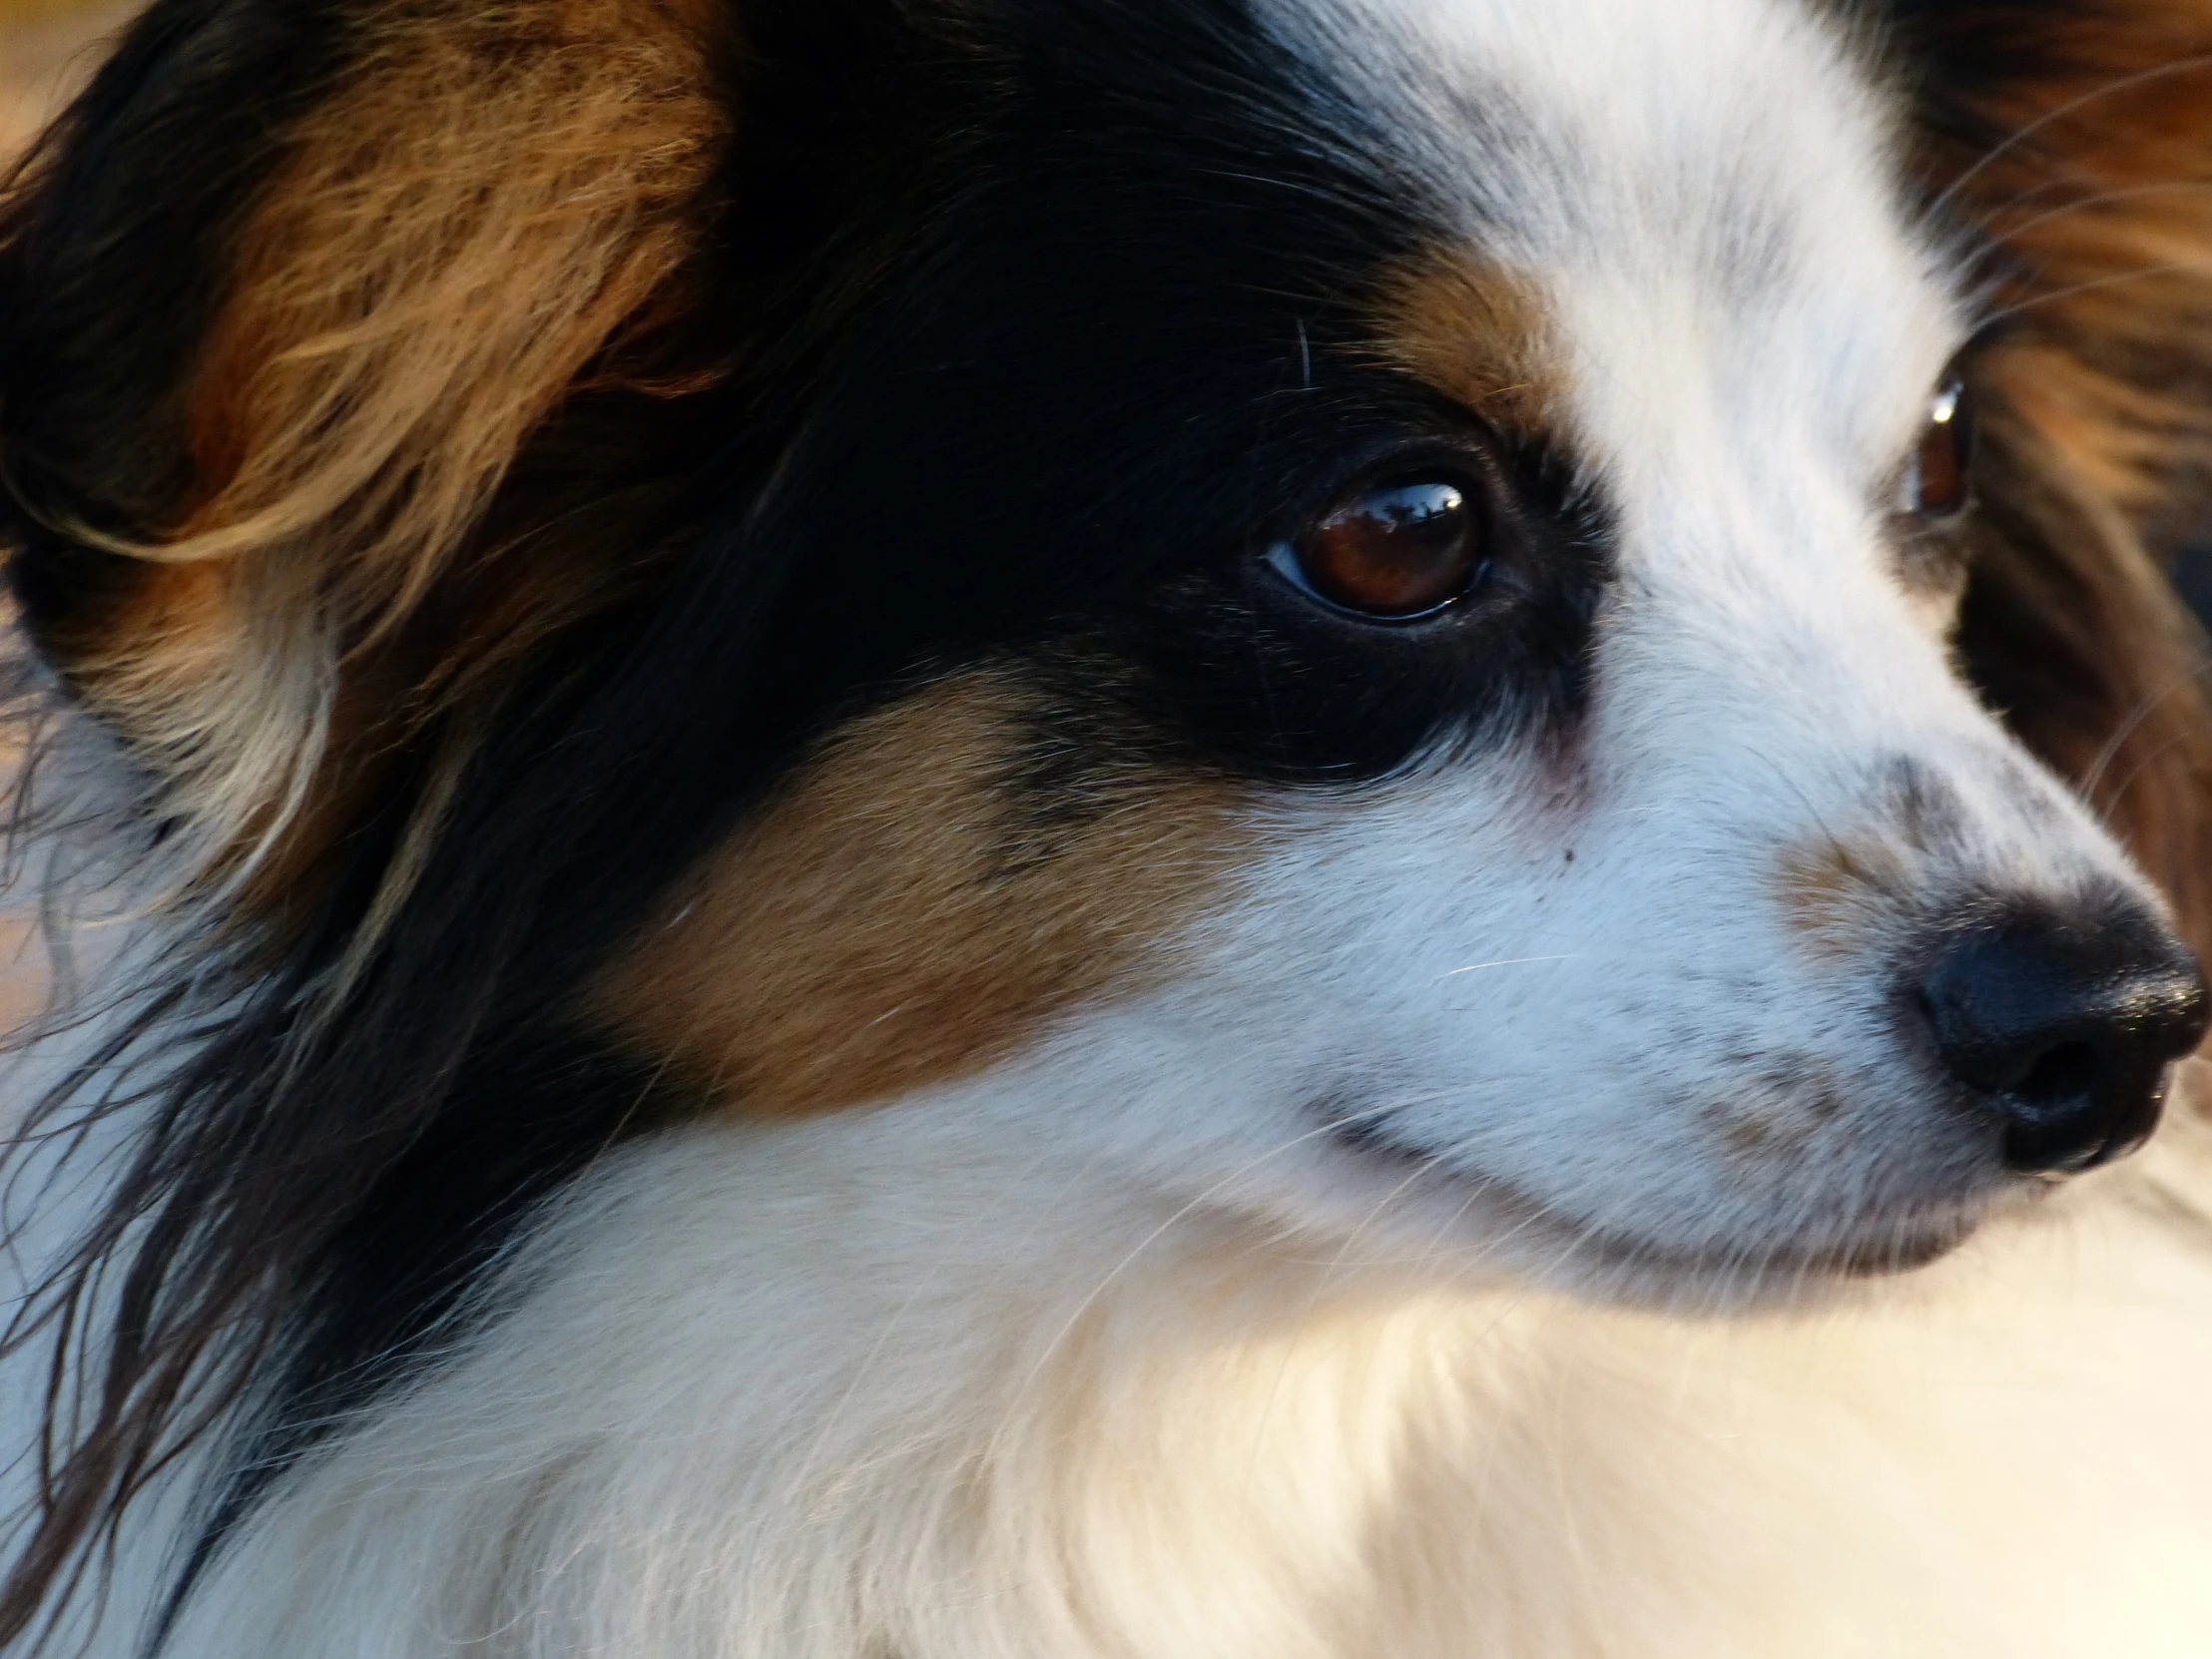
46	46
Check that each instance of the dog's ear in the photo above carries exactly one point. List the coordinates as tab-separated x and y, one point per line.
2070	141
347	352
289	302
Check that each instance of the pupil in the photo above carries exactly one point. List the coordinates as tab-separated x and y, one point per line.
1939	473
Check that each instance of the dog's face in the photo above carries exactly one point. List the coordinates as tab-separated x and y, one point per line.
1357	610
1632	965
1497	776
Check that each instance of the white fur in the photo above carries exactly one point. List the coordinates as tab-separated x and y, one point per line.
1118	1353
928	1384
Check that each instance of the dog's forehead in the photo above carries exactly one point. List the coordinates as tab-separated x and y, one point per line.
1702	197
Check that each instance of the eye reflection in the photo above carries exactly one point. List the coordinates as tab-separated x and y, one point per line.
1393	552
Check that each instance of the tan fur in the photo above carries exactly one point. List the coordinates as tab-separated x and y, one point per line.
1474	333
494	197
902	916
1836	891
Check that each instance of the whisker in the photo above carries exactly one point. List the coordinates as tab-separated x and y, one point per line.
2132	724
2178	741
1440	1238
2072	106
1503	962
2102	198
1313	1298
2007	313
1182	1213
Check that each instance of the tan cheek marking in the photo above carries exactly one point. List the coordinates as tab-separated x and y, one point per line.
1477	335
1839	894
891	920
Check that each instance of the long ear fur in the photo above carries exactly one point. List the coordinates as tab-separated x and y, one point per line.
337	345
2072	143
478	205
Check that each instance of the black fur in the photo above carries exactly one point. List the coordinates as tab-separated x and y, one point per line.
1048	324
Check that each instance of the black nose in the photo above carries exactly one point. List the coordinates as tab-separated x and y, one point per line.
2063	1027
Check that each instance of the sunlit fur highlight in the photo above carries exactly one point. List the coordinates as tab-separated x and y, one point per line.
477	214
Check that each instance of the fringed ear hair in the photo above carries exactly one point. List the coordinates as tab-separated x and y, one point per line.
2070	145
338	341
290	292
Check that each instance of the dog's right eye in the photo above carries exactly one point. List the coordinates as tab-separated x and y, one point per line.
1393	552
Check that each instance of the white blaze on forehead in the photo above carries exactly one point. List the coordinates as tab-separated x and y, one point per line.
1704	191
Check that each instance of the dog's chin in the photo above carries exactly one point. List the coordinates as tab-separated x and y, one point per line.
1757	1273
1506	1228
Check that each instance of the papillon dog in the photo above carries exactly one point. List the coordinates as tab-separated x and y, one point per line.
1113	829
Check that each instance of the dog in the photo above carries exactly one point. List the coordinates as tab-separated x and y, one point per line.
1115	830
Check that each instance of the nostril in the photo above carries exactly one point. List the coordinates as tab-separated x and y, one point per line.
2059	1075
2060	1028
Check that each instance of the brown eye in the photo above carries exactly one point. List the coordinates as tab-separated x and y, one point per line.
1938	481
1393	552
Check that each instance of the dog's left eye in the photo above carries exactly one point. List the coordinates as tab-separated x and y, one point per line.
1938	481
1393	552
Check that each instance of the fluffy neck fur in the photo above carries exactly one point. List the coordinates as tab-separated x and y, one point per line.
874	1387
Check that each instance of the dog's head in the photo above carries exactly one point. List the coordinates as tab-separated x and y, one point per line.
1431	614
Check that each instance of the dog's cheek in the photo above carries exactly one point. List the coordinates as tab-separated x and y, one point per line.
912	907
